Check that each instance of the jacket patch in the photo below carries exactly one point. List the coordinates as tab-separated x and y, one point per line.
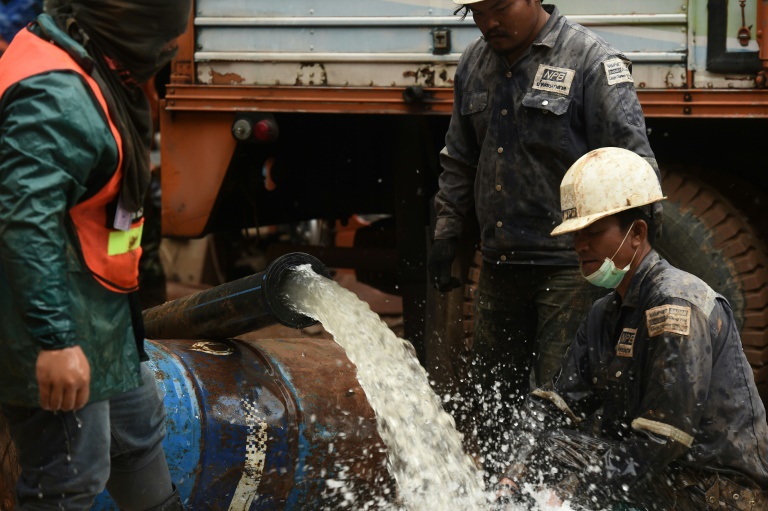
626	345
673	319
570	213
554	79
616	71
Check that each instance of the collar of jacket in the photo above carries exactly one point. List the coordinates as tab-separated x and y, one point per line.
546	37
47	29
551	29
632	298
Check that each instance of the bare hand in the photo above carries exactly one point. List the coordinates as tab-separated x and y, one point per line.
506	488
64	379
554	499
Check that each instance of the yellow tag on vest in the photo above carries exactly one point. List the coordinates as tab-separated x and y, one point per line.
122	242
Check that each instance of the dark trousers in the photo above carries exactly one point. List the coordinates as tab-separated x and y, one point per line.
525	317
67	458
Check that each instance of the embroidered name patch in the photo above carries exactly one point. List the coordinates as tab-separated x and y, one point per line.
554	79
626	345
672	319
616	71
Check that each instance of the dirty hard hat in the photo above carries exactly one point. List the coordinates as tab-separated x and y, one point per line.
466	2
604	182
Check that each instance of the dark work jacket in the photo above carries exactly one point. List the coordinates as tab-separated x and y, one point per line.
515	131
664	375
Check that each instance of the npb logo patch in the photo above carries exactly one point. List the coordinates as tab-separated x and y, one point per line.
626	345
554	79
569	214
617	71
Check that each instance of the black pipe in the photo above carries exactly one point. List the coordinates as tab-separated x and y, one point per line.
233	308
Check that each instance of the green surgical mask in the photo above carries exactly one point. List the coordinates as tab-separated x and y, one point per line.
608	276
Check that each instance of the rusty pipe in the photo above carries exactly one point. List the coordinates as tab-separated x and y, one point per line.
258	425
233	308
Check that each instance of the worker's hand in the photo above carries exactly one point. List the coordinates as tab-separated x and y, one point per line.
440	262
554	499
505	488
64	379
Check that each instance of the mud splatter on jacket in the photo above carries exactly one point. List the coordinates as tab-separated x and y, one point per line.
55	147
662	374
515	131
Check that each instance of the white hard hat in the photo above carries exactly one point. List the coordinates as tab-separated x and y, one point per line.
466	2
602	183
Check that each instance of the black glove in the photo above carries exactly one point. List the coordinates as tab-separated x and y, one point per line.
440	262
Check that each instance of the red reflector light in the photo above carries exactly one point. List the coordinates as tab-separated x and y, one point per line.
265	131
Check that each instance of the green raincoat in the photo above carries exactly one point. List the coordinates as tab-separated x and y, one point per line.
55	150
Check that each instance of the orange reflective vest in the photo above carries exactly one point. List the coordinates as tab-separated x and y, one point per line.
110	254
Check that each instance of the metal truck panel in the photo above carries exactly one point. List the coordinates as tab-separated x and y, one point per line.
248	8
387	43
699	43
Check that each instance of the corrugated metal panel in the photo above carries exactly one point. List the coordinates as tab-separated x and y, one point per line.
390	43
277	8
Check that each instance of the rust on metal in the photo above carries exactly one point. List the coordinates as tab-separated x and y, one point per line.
425	75
325	383
318	419
358	100
225	78
311	74
704	103
389	100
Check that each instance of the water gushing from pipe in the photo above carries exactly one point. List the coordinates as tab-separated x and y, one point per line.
424	449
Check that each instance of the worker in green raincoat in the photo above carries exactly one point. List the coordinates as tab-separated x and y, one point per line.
83	409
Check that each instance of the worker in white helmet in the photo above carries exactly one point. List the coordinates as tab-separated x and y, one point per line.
655	403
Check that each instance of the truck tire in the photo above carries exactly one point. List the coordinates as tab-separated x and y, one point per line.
706	235
703	234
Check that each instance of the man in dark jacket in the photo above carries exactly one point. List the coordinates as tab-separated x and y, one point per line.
655	403
84	411
531	96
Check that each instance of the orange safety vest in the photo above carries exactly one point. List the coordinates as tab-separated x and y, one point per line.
110	254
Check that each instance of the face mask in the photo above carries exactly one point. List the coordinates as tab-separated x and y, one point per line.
608	276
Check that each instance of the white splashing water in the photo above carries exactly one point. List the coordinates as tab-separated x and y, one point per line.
425	452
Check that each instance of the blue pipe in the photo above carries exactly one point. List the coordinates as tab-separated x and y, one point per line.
261	425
